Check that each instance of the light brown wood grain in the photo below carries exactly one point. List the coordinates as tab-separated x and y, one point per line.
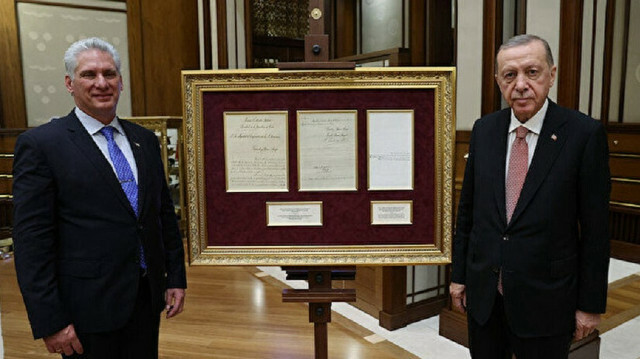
230	313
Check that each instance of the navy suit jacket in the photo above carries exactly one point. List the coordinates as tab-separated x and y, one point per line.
554	254
76	235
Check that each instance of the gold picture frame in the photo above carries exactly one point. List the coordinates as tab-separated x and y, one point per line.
225	228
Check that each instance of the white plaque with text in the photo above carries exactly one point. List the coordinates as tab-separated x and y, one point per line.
294	213
327	150
391	212
390	149
256	151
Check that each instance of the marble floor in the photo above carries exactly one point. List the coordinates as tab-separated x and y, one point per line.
422	339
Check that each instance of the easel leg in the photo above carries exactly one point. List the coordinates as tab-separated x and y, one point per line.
321	340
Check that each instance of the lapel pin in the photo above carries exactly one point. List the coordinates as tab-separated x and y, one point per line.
138	145
554	137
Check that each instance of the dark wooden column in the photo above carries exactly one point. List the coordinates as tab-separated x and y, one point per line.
491	40
569	57
13	111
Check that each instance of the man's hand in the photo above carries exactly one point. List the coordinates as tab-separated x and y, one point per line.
174	297
586	323
65	341
458	296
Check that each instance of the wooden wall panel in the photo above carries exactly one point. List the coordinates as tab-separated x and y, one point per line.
439	34
344	35
169	32
626	192
624	142
368	286
569	58
491	41
418	32
623	166
136	58
12	104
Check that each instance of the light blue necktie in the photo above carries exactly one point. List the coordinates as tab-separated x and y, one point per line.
125	176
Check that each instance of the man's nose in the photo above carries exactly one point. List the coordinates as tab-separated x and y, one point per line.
521	83
101	81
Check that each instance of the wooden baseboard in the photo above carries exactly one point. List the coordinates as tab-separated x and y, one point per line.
453	326
413	313
625	251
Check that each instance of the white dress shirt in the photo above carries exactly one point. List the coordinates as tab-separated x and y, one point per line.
534	125
94	126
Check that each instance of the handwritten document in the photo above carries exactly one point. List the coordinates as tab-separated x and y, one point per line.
327	150
256	155
390	149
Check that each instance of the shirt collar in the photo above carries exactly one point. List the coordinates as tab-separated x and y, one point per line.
93	126
534	124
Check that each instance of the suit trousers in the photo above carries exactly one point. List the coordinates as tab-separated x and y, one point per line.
138	339
494	339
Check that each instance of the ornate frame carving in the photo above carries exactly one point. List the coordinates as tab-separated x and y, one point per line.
440	80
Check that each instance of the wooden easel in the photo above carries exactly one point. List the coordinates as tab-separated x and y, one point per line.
320	294
316	45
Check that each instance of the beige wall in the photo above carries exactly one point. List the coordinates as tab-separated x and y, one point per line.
45	32
469	66
543	19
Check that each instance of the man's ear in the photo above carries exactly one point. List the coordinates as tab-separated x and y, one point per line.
67	83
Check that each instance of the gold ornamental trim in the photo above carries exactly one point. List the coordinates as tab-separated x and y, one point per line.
441	80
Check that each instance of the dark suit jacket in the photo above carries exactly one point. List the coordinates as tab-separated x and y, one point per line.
76	236
554	253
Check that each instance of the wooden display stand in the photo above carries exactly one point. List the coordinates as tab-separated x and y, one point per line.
316	45
320	295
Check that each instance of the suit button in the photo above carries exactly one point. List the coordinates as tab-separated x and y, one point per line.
140	227
505	238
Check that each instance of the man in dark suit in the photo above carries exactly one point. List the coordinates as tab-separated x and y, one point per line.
531	249
97	248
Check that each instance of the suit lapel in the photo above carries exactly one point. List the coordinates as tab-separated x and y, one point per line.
552	138
82	139
499	150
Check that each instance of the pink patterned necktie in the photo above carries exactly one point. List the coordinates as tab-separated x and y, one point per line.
518	167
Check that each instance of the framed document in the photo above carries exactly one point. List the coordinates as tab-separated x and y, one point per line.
390	149
280	166
391	212
327	150
255	151
294	214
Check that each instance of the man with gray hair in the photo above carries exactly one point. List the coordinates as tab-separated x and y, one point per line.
98	251
531	248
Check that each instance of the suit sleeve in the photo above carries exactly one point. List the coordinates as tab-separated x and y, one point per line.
464	220
34	233
594	189
172	240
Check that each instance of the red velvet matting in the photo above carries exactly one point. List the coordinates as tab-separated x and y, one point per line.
239	219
